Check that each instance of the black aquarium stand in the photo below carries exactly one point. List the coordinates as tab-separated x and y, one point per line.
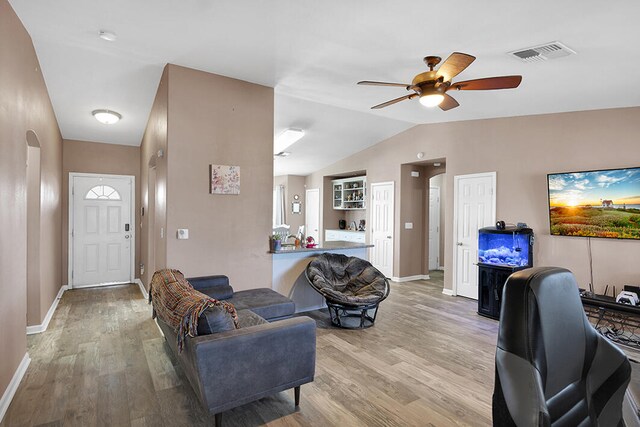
494	269
491	280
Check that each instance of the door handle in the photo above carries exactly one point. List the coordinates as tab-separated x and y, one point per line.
126	236
459	243
388	237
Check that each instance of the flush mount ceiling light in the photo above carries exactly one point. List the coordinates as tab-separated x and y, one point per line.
109	36
106	117
286	139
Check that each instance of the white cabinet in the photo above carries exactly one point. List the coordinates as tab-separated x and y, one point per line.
344	236
350	193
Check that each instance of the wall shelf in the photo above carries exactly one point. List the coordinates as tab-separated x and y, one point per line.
350	194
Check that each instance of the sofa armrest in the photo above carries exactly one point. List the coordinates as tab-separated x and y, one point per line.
240	366
216	286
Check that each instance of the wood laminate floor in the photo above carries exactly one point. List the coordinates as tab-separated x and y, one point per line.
428	361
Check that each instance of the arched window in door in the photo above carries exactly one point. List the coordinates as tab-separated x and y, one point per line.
102	192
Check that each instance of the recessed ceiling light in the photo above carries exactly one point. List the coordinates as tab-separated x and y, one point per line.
107	117
107	35
286	138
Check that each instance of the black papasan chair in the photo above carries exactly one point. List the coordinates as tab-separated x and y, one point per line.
352	287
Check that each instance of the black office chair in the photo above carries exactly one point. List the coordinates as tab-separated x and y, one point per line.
552	367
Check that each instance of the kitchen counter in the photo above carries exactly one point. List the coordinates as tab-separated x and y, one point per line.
335	245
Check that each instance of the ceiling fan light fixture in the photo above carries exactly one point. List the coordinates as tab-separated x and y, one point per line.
431	99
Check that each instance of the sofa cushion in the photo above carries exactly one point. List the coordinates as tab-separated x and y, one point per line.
247	318
215	319
214	286
264	302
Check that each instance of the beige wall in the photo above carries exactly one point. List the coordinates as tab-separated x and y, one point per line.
439	181
522	150
24	105
412	256
93	157
201	119
153	184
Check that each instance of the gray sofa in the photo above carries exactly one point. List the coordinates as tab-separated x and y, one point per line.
269	353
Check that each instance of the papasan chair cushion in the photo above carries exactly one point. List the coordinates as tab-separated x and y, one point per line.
347	280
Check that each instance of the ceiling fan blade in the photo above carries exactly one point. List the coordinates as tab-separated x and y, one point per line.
489	83
366	82
448	103
393	101
454	65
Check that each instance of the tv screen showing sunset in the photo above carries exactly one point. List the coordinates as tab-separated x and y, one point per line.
596	203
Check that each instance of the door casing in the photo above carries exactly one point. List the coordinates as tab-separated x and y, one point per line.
456	179
70	252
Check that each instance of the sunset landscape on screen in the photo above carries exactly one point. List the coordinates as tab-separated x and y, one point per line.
595	203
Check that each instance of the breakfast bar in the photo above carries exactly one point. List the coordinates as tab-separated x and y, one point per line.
289	264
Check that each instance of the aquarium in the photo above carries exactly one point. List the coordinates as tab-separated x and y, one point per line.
511	247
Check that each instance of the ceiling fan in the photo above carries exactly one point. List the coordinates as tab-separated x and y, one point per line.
432	86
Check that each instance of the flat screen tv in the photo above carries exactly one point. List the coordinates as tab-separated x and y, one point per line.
604	203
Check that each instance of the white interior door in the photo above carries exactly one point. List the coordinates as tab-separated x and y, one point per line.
382	208
475	208
434	228
312	213
102	230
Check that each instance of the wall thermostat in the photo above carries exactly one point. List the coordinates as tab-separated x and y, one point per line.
183	233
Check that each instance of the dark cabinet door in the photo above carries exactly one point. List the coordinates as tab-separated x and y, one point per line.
491	281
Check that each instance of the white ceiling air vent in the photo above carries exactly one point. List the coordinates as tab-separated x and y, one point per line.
543	52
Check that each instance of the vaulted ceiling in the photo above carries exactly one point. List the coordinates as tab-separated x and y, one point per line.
313	53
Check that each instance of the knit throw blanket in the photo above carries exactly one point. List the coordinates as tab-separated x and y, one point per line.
179	305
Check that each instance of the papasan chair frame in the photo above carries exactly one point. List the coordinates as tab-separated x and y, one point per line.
355	302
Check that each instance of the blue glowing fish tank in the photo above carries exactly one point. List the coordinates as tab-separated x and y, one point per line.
508	247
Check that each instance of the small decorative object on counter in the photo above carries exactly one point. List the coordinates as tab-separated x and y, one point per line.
311	243
276	242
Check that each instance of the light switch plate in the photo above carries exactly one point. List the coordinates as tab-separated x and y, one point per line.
415	174
183	233
408	225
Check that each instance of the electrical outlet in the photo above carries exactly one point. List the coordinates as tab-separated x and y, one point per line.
408	225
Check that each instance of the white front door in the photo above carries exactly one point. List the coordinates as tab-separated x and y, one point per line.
102	230
475	208
312	214
434	228
382	227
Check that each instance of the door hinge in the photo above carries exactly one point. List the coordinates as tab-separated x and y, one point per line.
72	233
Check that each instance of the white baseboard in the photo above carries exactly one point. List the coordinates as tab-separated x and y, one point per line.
447	292
7	397
142	288
36	329
410	278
